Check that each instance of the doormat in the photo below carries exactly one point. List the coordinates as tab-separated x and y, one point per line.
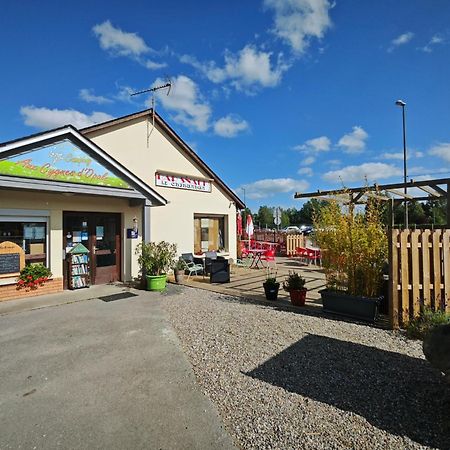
119	296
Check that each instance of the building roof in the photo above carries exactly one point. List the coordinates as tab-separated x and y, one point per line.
31	142
184	147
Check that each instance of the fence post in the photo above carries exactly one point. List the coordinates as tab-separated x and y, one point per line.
393	279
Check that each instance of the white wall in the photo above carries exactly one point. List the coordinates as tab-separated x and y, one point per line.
127	142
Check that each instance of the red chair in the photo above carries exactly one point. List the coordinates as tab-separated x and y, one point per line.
302	253
314	256
269	258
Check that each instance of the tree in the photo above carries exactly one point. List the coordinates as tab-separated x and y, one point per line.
285	221
265	216
306	214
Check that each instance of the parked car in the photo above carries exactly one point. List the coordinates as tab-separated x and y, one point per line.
291	229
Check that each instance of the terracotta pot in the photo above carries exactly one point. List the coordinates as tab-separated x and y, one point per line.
298	298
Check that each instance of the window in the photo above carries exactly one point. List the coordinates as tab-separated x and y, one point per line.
209	234
31	236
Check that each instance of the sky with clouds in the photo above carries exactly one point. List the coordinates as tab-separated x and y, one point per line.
277	96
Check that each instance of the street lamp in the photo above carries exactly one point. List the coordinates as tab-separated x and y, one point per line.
402	104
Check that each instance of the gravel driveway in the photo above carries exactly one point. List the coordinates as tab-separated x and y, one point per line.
287	380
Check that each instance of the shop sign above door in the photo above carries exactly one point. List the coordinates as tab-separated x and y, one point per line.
182	182
62	161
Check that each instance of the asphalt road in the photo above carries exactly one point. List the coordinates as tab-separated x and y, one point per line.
91	374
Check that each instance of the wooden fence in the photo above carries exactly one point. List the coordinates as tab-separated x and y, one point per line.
419	273
293	241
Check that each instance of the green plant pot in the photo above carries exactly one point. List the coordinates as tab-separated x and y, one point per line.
156	282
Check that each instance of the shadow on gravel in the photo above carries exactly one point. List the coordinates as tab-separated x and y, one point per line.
399	394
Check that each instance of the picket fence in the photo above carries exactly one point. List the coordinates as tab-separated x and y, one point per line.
293	241
419	273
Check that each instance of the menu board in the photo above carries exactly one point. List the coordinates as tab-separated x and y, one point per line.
9	263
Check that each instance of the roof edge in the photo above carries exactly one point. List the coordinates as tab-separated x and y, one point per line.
191	153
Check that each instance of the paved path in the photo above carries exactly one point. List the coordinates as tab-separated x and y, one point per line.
90	374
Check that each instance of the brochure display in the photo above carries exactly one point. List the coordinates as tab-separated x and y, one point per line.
78	267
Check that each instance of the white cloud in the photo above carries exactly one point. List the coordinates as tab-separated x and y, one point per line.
119	42
392	155
269	187
435	40
370	171
229	126
307	171
122	43
354	142
297	21
152	65
88	96
400	40
319	144
45	118
308	161
334	162
441	150
186	102
246	70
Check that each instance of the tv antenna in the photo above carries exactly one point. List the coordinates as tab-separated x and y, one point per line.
168	86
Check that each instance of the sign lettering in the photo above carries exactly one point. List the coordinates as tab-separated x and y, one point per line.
182	182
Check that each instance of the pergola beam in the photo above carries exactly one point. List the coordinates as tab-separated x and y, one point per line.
430	186
430	190
400	193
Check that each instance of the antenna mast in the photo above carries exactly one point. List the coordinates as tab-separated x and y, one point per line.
168	86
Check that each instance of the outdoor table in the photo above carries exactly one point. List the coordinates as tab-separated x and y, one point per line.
257	253
316	251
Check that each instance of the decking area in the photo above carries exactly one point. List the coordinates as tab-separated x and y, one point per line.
248	283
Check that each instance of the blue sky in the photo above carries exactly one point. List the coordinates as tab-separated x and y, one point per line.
277	96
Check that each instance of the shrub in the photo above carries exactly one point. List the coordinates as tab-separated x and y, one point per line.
354	247
428	319
32	276
156	258
294	282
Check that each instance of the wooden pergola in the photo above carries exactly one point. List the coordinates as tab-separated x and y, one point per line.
393	193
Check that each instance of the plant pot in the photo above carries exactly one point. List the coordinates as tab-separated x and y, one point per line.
156	282
271	290
179	276
353	306
298	297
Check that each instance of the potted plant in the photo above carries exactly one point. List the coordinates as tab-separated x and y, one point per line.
178	271
155	260
32	276
295	285
354	251
271	286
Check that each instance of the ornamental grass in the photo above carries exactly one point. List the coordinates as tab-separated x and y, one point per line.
354	247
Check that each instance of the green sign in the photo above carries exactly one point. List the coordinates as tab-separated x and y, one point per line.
61	162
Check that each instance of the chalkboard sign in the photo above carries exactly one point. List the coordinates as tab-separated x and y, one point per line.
9	263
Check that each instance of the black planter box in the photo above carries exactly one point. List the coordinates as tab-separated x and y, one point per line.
271	291
356	307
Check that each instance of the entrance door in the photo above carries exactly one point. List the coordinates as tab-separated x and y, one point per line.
100	233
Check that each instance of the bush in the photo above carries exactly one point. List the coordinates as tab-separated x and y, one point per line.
33	275
156	258
428	319
354	247
294	282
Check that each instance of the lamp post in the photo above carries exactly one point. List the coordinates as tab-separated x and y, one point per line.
402	104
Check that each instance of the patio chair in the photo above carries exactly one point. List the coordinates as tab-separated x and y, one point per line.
244	262
192	268
269	258
209	257
220	271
